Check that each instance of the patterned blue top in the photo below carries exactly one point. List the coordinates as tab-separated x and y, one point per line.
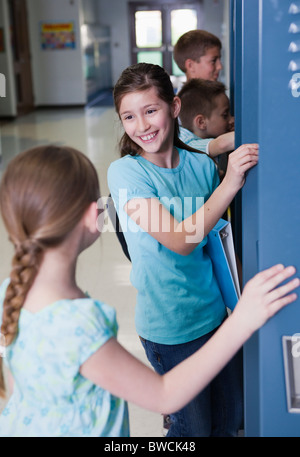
50	396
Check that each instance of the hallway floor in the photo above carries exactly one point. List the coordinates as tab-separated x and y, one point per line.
103	270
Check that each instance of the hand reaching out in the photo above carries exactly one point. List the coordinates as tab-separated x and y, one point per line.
263	296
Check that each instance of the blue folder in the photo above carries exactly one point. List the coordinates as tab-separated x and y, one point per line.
220	249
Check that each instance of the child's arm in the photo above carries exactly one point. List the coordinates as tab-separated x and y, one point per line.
117	371
221	144
183	237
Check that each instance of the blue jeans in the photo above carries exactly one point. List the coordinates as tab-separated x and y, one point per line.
218	409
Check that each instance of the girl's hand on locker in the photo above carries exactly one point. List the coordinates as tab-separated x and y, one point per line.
240	161
262	298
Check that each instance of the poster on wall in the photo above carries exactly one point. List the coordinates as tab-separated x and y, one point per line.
1	40
57	36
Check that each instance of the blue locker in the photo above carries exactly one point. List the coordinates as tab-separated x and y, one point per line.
267	111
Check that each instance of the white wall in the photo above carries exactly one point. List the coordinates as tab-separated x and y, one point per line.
115	14
57	75
8	103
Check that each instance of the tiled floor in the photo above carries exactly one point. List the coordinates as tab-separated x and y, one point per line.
103	270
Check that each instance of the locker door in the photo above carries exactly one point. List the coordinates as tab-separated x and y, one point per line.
267	111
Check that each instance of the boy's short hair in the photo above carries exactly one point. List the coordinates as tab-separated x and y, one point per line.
193	45
198	97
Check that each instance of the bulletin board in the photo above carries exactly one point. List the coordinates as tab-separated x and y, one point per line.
57	36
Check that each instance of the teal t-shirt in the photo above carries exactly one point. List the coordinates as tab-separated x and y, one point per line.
50	397
178	298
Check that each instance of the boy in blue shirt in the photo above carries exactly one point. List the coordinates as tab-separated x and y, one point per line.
206	122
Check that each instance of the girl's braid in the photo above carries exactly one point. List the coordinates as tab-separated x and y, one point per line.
25	265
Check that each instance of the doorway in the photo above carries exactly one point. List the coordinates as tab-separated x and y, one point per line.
156	27
21	55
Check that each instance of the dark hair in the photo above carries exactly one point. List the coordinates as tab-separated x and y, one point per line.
198	96
141	77
193	45
44	193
